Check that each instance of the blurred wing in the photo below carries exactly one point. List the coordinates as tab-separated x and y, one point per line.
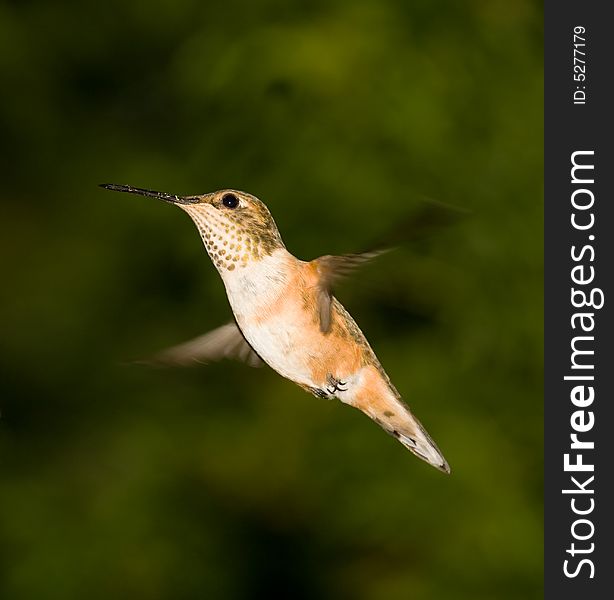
330	270
224	342
429	218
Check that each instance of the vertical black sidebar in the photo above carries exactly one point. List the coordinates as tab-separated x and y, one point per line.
579	300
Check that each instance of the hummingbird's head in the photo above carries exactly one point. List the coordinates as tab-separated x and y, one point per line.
236	227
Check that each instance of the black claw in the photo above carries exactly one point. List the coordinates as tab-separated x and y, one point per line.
335	384
319	393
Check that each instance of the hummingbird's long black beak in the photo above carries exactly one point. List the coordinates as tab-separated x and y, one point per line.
173	199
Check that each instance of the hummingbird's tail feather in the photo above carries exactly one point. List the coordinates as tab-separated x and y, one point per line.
417	440
379	401
402	425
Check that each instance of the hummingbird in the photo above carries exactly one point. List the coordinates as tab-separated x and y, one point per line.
285	314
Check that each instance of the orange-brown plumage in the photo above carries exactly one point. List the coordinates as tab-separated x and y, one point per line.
287	316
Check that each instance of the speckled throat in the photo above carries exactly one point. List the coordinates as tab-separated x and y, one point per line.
234	237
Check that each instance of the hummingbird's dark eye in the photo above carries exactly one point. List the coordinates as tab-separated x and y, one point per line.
230	201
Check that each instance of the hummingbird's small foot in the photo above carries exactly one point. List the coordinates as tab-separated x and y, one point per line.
335	385
320	393
330	391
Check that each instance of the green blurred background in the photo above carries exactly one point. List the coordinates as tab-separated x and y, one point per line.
119	481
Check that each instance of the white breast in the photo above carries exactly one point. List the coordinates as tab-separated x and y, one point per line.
257	285
273	333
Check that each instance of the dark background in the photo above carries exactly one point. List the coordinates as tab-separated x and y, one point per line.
226	482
